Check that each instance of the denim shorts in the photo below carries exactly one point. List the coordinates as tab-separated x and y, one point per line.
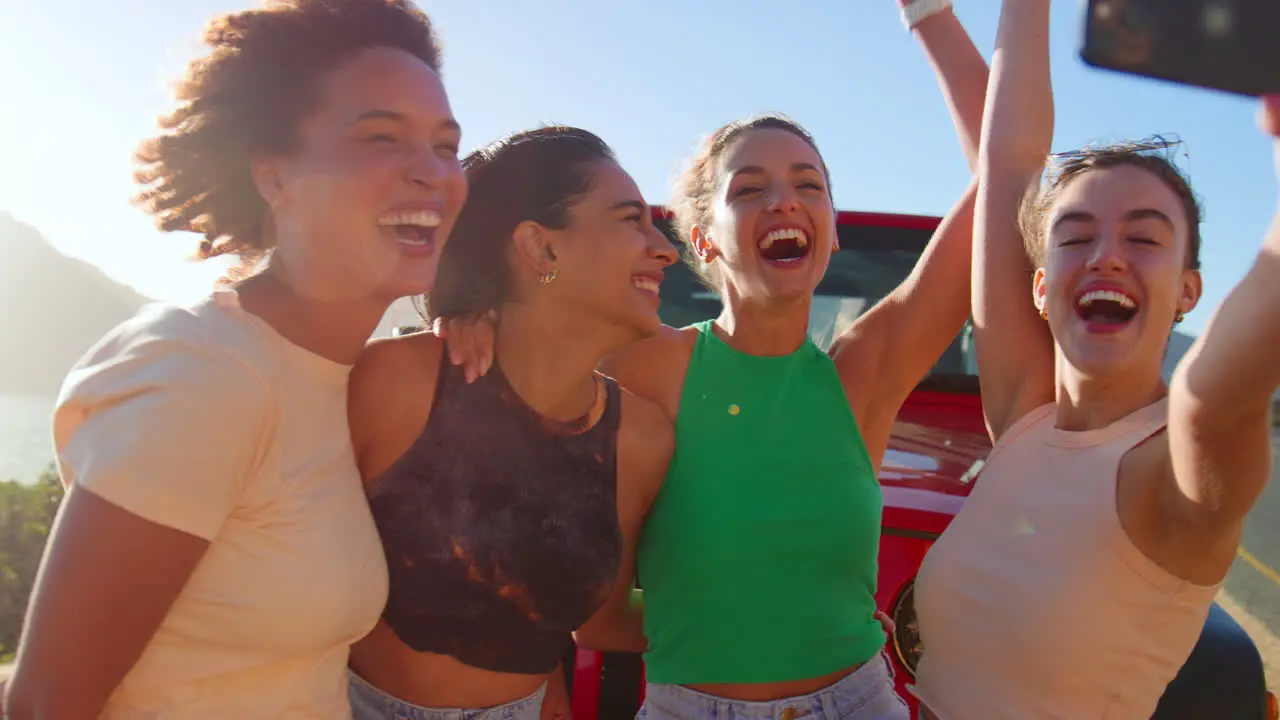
370	703
865	694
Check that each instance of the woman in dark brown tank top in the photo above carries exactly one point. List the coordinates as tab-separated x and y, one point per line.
508	506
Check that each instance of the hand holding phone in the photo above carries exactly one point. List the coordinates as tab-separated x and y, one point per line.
1271	116
1227	45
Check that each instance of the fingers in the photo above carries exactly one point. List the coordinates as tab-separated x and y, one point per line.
466	353
1270	115
472	342
886	622
489	346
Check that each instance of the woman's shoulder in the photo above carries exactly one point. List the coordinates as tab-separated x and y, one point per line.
654	368
646	442
167	344
395	365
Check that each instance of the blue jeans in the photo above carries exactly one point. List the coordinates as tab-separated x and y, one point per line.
370	703
1223	678
865	694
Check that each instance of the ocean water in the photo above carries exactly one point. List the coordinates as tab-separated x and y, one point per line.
26	440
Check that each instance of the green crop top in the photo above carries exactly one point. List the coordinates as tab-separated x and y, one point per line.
759	557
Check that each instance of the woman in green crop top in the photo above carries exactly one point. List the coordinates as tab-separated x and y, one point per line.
759	558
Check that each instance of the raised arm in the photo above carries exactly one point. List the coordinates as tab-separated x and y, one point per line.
1015	349
1221	394
962	73
901	338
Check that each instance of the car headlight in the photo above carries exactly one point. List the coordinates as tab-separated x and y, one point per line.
906	633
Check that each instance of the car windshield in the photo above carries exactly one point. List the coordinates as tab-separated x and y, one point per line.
873	260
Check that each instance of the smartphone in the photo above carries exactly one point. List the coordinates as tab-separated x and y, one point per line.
1227	45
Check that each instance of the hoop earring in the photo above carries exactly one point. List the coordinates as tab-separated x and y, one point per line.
1179	317
547	278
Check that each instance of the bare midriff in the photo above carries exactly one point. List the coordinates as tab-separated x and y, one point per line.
763	692
432	680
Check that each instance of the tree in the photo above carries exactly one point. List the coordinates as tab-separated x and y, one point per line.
26	514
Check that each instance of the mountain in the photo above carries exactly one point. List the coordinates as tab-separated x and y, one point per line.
1179	344
54	309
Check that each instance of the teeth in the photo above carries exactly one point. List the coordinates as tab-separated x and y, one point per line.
420	218
1116	297
645	283
784	234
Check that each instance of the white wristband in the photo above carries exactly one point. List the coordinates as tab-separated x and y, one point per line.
917	11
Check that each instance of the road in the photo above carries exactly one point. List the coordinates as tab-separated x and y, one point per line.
1252	590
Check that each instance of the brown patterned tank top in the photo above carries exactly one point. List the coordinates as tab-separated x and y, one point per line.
500	527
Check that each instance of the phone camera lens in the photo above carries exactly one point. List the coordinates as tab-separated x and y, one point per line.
1218	20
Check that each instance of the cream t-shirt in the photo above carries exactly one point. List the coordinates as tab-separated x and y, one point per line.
205	420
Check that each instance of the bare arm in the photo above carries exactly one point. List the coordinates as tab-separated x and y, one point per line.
644	451
156	437
1015	350
962	75
107	580
901	338
1221	394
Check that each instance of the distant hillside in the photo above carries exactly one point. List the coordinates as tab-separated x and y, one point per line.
1179	344
54	308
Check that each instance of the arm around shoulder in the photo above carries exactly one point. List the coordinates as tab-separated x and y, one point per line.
646	442
645	447
654	368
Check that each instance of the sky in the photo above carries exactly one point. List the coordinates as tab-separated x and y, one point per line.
82	82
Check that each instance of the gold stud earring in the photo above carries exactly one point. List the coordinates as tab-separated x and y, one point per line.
1179	317
1044	314
547	277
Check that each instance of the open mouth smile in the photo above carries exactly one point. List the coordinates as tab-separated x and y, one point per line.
647	283
783	247
414	230
1106	310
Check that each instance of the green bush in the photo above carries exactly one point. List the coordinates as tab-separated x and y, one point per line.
26	514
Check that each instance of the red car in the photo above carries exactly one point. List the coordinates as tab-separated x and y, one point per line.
934	457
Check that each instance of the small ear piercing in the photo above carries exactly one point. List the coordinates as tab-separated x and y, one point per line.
1179	317
547	278
1044	314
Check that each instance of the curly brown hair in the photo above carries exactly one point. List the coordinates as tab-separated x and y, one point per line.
1152	155
695	188
247	97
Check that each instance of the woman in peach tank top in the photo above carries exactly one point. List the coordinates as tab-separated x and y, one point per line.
1076	579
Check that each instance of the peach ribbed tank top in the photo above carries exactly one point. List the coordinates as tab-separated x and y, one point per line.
1035	604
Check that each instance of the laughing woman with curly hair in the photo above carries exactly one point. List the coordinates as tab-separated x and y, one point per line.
215	556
